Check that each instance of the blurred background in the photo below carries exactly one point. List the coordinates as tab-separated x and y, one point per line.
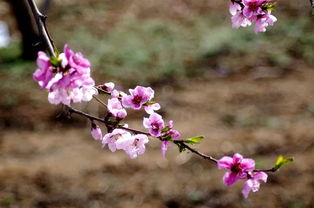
246	93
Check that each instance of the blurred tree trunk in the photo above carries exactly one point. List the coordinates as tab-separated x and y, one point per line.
24	19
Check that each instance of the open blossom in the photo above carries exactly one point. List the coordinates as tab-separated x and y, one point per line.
154	124
248	11
96	132
67	80
152	108
111	139
115	108
76	61
134	145
138	97
253	183
263	22
253	7
44	72
71	88
238	168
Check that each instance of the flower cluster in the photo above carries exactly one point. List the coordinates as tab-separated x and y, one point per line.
156	126
120	139
245	12
66	77
139	97
241	168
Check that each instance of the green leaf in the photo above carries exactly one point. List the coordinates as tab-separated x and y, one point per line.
282	161
165	129
55	61
194	140
149	103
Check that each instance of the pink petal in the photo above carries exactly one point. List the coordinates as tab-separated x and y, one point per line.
237	158
247	164
230	178
246	188
225	162
164	147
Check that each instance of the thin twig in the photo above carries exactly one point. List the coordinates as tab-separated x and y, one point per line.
181	142
41	24
100	101
206	157
266	170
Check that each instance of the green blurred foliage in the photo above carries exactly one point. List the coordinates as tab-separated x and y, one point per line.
145	51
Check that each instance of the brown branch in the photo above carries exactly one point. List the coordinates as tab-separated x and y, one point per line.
41	24
180	142
99	101
272	170
206	157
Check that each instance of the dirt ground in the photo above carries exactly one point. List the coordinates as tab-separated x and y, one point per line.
61	166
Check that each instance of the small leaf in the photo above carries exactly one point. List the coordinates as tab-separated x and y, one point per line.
166	129
282	161
55	61
194	140
149	103
166	138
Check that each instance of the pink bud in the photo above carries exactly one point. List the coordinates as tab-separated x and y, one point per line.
96	132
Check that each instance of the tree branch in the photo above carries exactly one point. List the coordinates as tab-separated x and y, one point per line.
41	24
180	142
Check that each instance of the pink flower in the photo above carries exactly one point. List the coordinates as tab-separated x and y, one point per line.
234	8
239	20
155	124
44	72
134	145
115	108
152	108
74	87
171	134
164	147
238	166
263	22
253	8
96	132
253	183
112	138
115	94
76	60
138	97
108	87
67	79
174	134
258	11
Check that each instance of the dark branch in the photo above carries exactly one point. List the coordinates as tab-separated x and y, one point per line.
181	142
41	24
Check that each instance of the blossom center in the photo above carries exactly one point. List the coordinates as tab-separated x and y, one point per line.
236	168
137	99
